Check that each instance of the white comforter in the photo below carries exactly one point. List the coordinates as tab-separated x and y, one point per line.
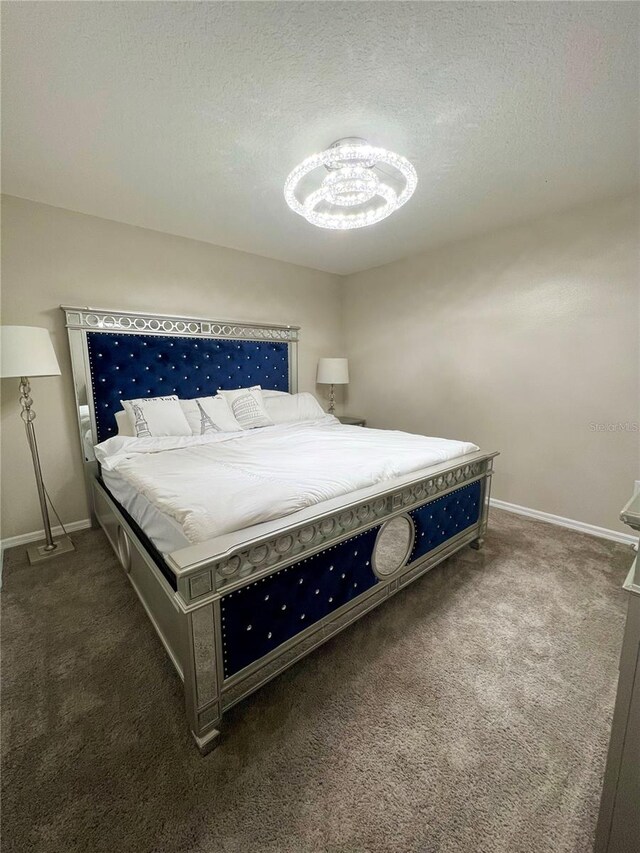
222	482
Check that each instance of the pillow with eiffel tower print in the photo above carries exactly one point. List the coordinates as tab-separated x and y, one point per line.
156	417
206	415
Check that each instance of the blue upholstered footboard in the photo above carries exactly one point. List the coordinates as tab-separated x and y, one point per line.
261	616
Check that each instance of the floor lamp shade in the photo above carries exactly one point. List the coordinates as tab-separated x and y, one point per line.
27	351
333	371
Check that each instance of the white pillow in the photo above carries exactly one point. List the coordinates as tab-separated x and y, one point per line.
289	408
247	407
266	393
156	416
208	415
123	423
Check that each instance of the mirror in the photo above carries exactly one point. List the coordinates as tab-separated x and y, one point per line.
393	544
85	422
204	641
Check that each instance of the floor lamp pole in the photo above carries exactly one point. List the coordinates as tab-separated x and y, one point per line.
50	548
28	416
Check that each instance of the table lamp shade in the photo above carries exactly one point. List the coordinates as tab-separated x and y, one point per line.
27	351
333	371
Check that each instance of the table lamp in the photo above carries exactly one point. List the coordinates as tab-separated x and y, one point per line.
27	351
333	371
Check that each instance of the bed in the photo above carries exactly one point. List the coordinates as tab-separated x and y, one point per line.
248	550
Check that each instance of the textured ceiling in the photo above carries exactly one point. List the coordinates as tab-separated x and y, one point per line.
187	117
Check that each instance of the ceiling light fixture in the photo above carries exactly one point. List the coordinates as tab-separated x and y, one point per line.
357	191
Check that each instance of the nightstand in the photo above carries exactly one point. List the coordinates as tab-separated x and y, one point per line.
345	419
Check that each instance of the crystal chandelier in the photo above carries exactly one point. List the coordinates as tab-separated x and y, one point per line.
356	191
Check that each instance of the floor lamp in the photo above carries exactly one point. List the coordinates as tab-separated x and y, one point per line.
28	351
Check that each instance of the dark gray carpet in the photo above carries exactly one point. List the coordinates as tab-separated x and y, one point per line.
469	713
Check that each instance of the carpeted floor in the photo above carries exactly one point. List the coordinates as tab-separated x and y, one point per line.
470	713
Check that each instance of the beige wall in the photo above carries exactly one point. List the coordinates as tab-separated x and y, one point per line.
52	256
518	341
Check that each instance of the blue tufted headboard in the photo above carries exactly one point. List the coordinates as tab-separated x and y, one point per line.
120	356
124	367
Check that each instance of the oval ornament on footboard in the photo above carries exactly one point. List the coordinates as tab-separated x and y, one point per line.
393	545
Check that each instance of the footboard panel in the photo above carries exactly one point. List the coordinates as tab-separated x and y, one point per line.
439	520
261	616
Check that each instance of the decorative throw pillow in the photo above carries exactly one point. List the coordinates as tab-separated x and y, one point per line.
208	415
247	407
289	408
156	416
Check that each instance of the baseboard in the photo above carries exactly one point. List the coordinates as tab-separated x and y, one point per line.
572	524
35	535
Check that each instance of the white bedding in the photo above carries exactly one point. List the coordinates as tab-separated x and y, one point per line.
165	532
222	482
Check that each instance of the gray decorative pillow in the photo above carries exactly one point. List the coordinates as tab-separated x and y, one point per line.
247	407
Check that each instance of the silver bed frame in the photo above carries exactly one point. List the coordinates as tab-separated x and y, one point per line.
188	620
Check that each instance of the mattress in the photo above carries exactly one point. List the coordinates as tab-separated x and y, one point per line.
163	530
188	489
